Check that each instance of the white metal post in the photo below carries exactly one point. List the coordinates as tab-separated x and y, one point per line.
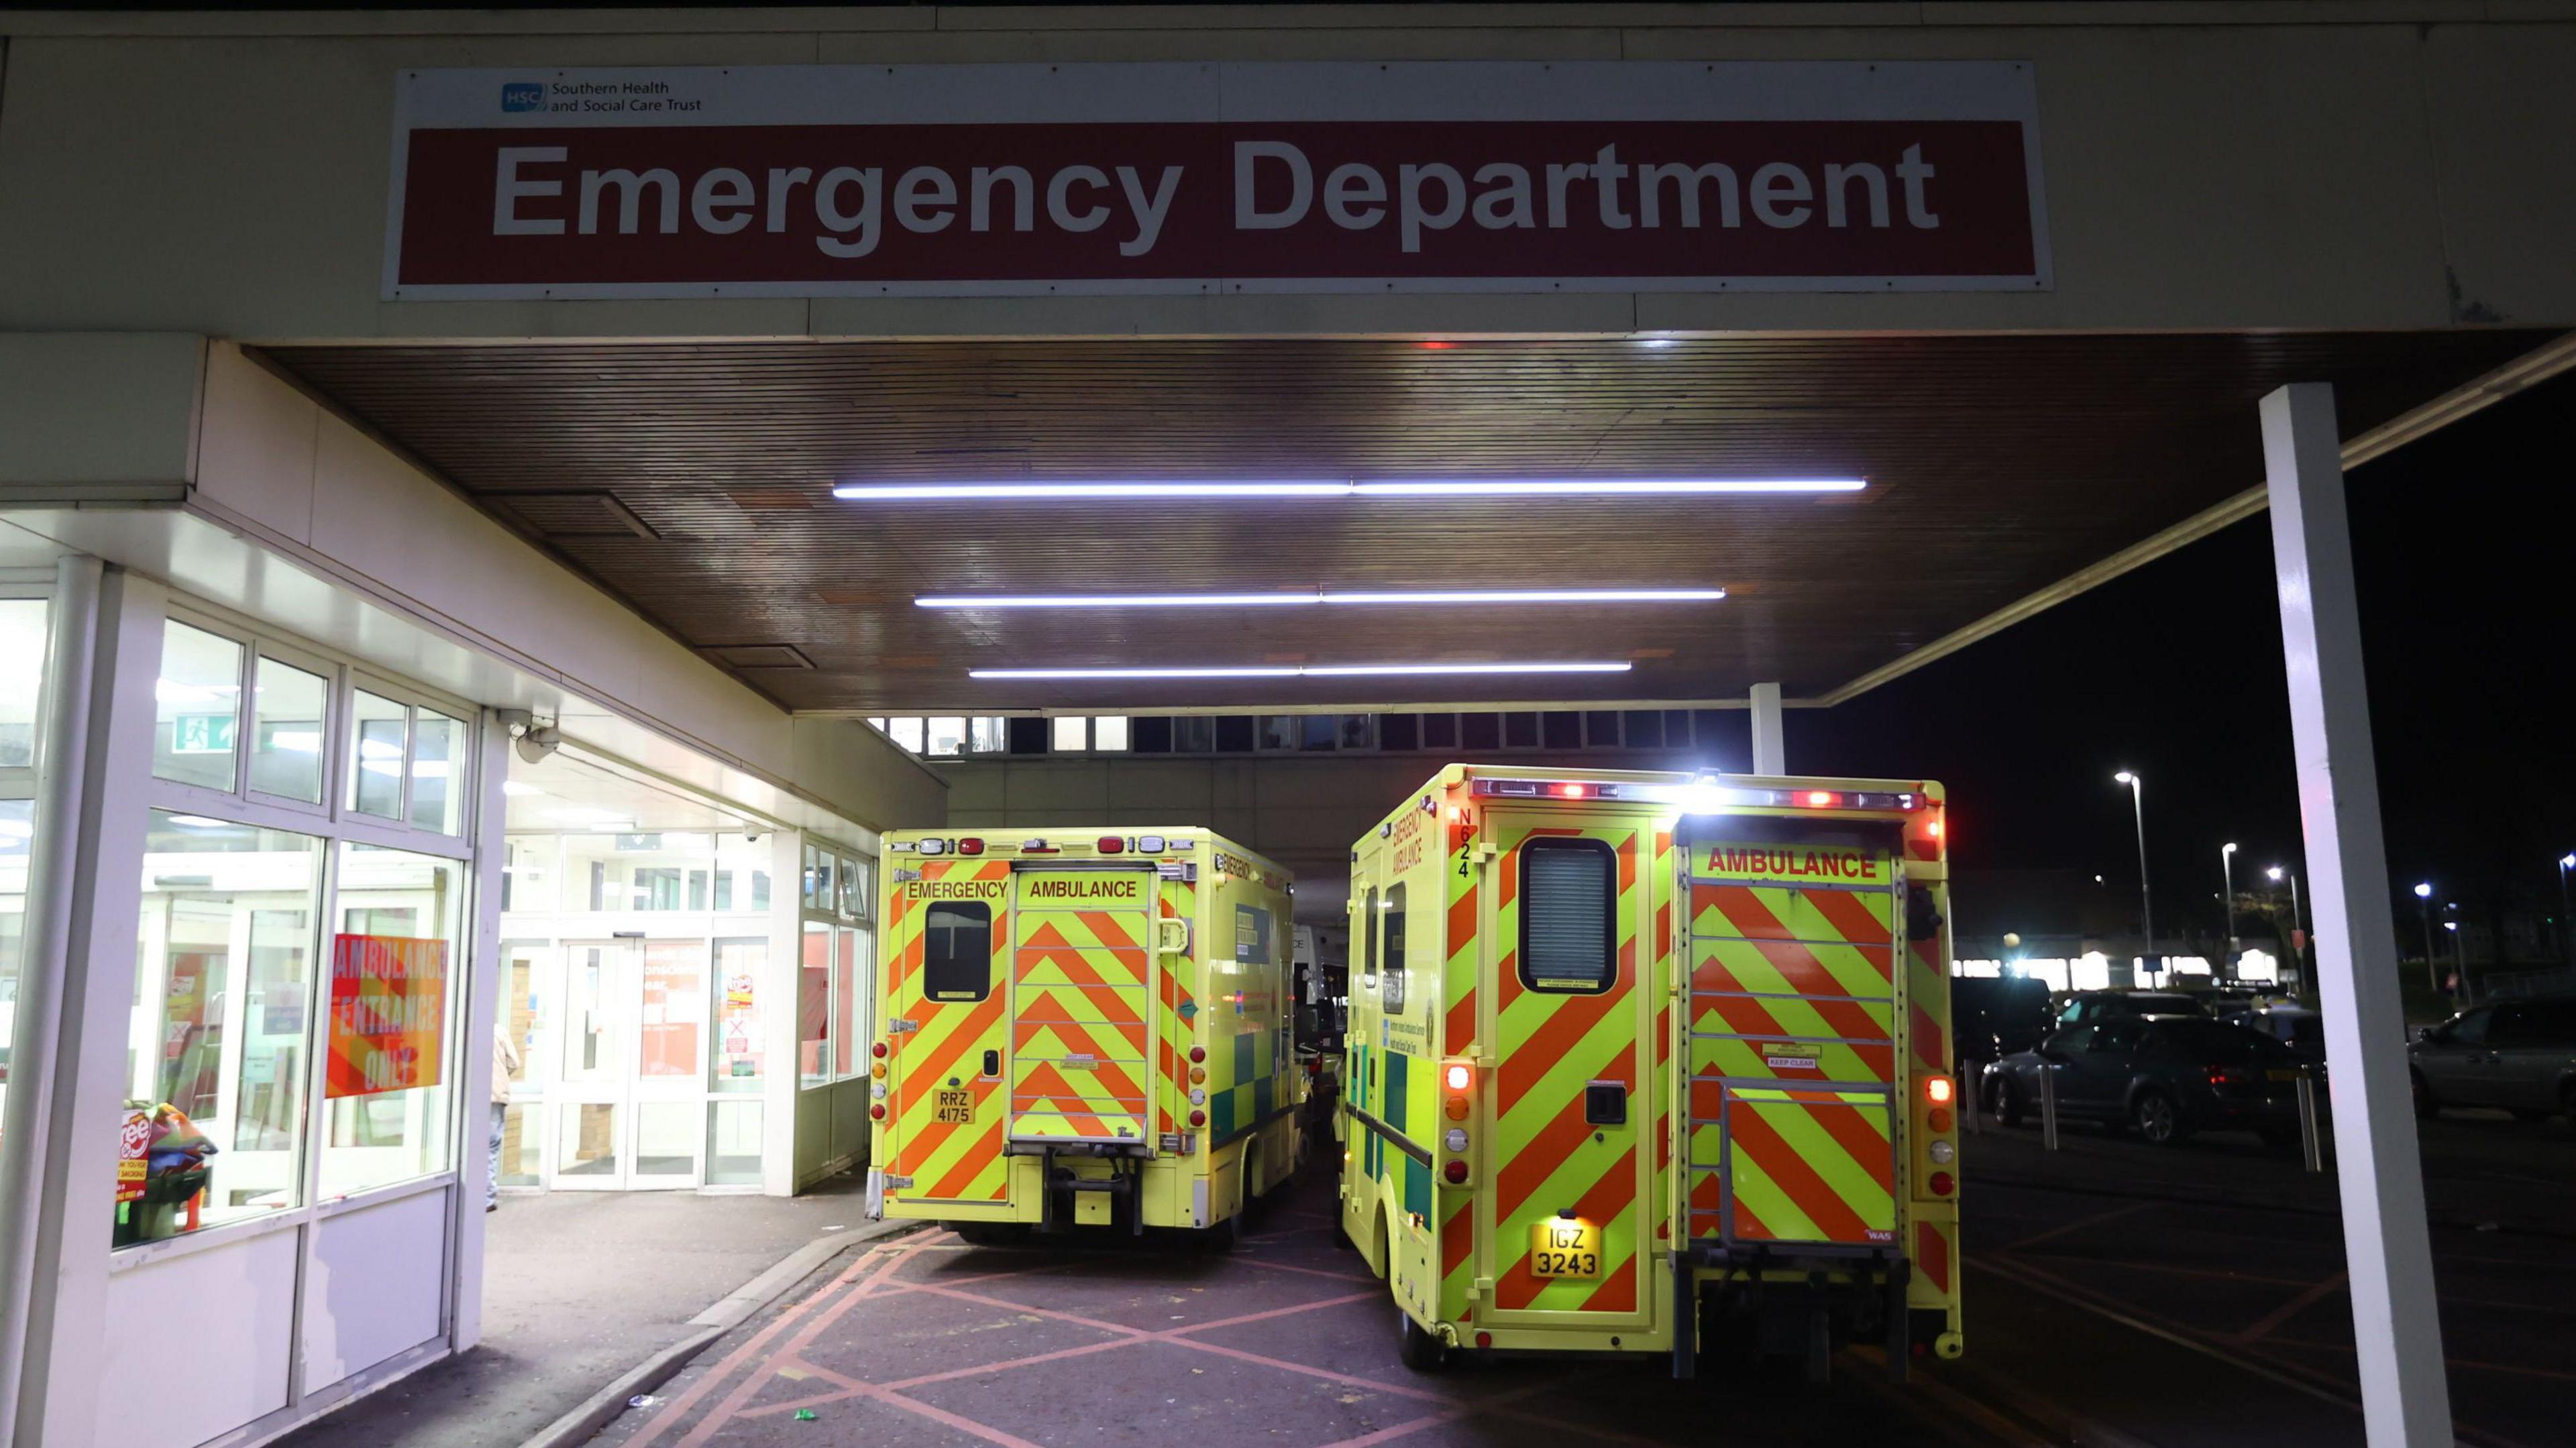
481	1002
2405	1400
69	1344
1770	752
71	652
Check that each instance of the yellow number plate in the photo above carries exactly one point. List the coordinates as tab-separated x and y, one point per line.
1559	1248
954	1106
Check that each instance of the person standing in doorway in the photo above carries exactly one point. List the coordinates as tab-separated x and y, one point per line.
505	1065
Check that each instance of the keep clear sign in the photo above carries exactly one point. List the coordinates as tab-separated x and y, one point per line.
388	1013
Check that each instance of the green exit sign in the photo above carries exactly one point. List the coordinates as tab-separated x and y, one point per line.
201	734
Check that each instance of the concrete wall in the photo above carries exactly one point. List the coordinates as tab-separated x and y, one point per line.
2339	164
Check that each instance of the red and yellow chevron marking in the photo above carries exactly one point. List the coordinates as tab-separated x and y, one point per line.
1078	1059
1175	1029
1550	1045
1932	1256
1810	1166
1927	989
1459	970
947	1160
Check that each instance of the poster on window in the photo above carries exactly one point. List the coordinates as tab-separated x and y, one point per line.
388	1013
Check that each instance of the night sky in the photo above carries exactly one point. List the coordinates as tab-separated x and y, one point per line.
2462	542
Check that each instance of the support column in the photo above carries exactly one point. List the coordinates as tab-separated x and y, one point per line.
1770	754
2405	1399
481	1003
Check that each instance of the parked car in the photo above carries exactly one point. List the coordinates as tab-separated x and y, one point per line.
1994	1016
2086	1007
2165	1075
2517	1054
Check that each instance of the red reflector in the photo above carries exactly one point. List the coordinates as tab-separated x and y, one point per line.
876	1111
1112	845
1938	1088
1571	791
1821	798
1942	1185
1198	1118
970	847
878	1050
1197	1054
1484	1339
1455	1171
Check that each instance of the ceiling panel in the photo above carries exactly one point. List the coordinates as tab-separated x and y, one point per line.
1996	466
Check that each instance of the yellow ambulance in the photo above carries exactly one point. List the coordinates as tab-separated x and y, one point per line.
1651	1062
1080	1027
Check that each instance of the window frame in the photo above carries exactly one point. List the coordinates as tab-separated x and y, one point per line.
1609	858
1394	980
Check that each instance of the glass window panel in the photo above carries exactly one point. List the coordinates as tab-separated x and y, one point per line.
22	673
376	729
287	717
1278	731
438	773
947	736
742	1052
1568	887
988	735
1439	731
517	1013
591	1041
522	1146
1193	734
1479	732
224	987
733	1144
1520	730
1644	728
667	1134
906	733
1355	731
1233	733
1562	729
1150	734
1398	964
861	873
197	707
1109	731
814	1006
395	967
1318	731
671	1043
588	1142
1068	733
528	874
1399	731
1601	728
17	840
957	951
849	1000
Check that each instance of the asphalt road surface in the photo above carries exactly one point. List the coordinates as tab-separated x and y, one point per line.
2117	1295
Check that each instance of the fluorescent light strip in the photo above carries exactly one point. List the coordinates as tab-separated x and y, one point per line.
1280	600
1310	671
1385	488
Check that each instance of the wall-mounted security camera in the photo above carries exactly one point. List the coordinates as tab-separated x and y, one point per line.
535	740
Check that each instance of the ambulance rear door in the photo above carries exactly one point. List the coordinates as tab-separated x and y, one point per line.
1793	1133
1082	995
947	956
1568	1212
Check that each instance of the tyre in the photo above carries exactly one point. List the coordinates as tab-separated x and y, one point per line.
1417	1346
2157	1118
2427	1105
2008	1103
986	1234
1219	1237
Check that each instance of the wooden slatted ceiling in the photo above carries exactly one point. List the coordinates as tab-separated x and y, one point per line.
1997	465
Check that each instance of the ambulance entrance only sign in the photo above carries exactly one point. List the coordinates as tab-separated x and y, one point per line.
1193	178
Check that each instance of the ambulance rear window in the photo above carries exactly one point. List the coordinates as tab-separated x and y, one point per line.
957	951
1567	888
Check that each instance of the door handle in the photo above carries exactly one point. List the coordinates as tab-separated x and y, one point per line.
992	1064
1172	936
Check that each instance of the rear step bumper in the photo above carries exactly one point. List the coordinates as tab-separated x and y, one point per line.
1059	1184
1870	1299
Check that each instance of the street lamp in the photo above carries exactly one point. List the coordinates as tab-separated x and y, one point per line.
2459	954
2424	900
2146	901
2298	957
2227	907
2566	862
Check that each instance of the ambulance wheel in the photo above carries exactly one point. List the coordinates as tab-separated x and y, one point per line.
986	1234
1219	1237
1417	1346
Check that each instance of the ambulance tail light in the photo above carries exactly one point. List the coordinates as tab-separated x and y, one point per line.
1455	1172
1149	844
1458	1091
933	847
1111	845
970	847
878	1050
1938	1090
876	1111
1198	1118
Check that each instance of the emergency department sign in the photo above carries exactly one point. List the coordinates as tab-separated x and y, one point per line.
1204	178
388	1013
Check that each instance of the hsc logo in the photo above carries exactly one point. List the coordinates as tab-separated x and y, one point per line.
523	95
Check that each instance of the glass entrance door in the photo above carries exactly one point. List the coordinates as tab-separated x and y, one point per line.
630	1106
